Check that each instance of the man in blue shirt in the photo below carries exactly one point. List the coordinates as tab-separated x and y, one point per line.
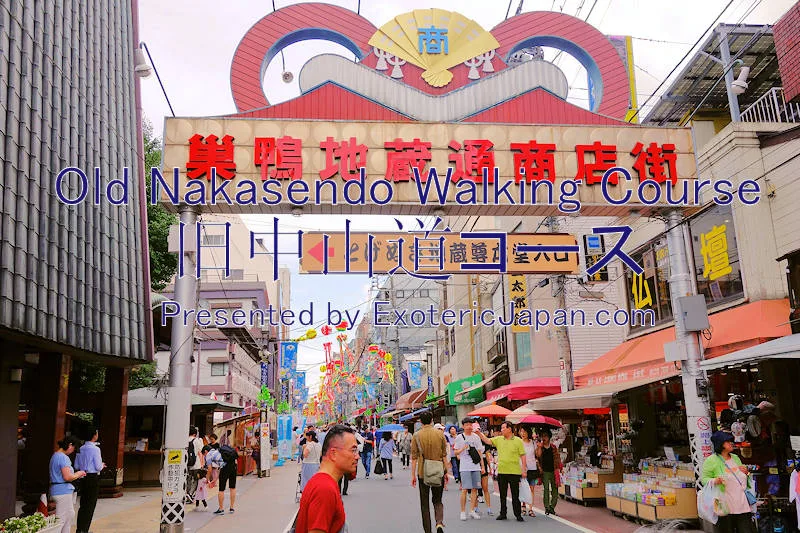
90	461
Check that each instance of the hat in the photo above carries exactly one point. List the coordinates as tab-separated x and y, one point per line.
438	426
719	438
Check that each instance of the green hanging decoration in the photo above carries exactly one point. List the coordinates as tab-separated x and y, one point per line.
368	412
265	397
284	407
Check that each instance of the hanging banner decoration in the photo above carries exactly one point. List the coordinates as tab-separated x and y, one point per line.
518	294
415	374
284	437
288	358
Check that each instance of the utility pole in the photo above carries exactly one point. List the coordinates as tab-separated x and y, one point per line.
562	335
680	284
179	392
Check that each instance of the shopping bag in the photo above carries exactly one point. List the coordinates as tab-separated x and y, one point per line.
378	467
710	503
525	495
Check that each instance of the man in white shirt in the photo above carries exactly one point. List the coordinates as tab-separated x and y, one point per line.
194	469
470	469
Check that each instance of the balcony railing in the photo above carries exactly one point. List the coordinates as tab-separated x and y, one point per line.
772	107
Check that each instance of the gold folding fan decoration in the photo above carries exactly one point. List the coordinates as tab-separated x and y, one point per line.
466	39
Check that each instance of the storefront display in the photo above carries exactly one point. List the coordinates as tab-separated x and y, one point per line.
584	483
664	490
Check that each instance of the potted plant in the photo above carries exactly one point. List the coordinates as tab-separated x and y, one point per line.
35	523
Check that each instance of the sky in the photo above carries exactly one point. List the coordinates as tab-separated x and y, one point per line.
192	43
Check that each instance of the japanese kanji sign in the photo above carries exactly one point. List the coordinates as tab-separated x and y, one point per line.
237	165
518	293
435	252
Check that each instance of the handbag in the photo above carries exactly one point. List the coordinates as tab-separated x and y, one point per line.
432	471
751	498
474	454
378	467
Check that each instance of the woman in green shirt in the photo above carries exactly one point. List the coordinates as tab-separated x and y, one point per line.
726	470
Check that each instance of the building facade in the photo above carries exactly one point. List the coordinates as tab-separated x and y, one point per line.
73	278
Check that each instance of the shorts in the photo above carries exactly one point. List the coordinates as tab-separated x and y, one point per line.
225	475
534	477
470	479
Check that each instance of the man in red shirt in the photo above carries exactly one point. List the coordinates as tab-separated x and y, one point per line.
321	507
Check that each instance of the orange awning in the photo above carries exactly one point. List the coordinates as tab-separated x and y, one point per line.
733	329
412	400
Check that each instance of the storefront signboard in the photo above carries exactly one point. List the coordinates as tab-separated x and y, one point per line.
470	397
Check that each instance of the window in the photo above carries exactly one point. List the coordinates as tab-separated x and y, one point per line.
237	274
424	293
400	294
522	343
649	291
219	369
213	240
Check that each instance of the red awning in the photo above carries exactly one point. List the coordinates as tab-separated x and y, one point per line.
528	389
412	400
731	330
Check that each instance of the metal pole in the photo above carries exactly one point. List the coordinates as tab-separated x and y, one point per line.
725	55
562	335
680	284
179	392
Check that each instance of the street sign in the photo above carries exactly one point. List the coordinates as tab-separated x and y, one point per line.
439	253
174	477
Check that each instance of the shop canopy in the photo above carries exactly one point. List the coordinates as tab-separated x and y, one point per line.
595	397
784	348
412	400
528	389
734	329
151	397
415	414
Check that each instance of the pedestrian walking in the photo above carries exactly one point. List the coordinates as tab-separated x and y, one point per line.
201	493
195	462
440	427
549	463
404	447
62	491
90	461
312	453
366	454
451	435
484	494
321	506
468	449
532	476
510	453
386	452
429	465
227	478
725	469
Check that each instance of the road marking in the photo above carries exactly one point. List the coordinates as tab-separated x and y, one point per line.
555	517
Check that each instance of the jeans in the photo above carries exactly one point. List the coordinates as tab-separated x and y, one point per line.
456	472
425	504
366	460
387	466
504	481
89	491
736	523
549	490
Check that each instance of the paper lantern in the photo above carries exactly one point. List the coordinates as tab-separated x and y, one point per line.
325	330
310	334
322	368
373	348
387	358
342	326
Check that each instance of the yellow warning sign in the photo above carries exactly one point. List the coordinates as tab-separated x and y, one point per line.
174	457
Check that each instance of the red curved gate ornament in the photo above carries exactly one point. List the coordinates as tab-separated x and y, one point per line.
606	70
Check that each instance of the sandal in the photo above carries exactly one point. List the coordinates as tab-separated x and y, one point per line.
531	513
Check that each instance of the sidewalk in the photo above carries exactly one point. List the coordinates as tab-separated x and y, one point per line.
139	510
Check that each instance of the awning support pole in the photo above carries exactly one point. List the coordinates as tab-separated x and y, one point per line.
680	284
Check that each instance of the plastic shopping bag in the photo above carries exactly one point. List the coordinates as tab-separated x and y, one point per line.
525	495
711	503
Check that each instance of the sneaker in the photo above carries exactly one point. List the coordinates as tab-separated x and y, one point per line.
480	499
474	515
231	510
489	511
463	516
219	512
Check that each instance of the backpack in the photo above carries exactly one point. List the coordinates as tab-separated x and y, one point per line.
192	457
229	455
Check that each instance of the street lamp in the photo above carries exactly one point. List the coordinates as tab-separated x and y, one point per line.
142	69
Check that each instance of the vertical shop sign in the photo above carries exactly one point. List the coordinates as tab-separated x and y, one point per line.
716	255
415	374
518	294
